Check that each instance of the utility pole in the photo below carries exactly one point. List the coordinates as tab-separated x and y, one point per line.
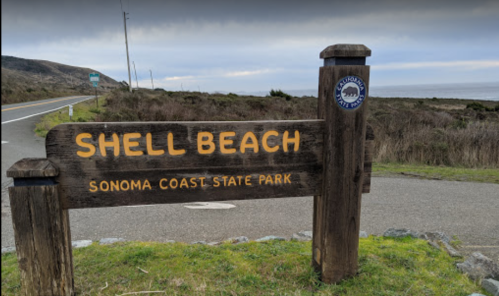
135	75
152	83
127	58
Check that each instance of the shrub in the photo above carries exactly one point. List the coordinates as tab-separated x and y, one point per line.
279	93
480	107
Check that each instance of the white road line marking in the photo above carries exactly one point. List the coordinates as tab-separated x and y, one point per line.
209	206
4	142
45	111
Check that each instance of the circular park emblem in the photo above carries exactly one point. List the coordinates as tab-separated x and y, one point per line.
350	92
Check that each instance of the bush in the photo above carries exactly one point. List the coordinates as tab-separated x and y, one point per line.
480	107
279	93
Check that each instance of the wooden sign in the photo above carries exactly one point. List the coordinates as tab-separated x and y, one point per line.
117	164
113	164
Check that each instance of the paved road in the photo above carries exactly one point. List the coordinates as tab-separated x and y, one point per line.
15	112
468	210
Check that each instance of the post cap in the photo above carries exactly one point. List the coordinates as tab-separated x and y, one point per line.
345	50
32	168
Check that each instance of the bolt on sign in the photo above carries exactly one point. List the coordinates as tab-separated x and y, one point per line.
91	165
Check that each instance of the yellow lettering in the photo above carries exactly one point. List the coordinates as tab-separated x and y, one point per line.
295	141
278	178
135	184
90	147
93	187
232	180
224	142
225	180
265	145
205	139
150	150
269	180
115	185
171	148
217	184
127	144
261	178
193	182
161	184
184	183
171	183
286	178
115	143
101	185
247	180
253	145
202	181
146	184
123	187
239	178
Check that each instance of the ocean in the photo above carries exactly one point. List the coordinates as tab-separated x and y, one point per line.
474	91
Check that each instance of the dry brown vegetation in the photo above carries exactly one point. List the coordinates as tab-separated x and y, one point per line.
26	80
431	131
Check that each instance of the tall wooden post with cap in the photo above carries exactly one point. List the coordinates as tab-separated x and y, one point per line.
343	91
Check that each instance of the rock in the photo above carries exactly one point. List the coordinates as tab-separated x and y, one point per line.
238	240
476	294
213	243
491	286
400	232
110	240
170	241
8	250
434	244
450	250
81	243
435	236
478	266
270	237
302	236
363	234
199	243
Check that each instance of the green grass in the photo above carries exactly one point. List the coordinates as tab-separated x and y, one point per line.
82	112
387	267
436	172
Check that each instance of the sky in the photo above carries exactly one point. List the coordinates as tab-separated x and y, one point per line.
258	45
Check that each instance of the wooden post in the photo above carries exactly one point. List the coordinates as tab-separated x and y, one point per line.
41	229
343	89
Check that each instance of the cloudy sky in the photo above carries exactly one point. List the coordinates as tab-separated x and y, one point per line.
228	45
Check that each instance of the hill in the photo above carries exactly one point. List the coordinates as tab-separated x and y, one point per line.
28	80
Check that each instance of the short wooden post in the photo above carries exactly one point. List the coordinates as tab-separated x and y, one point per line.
41	229
343	89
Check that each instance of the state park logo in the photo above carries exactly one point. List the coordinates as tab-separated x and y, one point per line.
350	92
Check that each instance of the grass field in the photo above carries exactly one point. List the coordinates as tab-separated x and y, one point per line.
82	112
387	267
436	172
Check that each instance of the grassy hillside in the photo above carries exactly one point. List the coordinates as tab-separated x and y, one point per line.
28	80
448	132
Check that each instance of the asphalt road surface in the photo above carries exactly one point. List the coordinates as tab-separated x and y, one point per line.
468	210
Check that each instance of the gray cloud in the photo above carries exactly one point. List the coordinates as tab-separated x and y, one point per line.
269	43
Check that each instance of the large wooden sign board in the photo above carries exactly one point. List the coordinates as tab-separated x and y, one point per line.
92	165
113	164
